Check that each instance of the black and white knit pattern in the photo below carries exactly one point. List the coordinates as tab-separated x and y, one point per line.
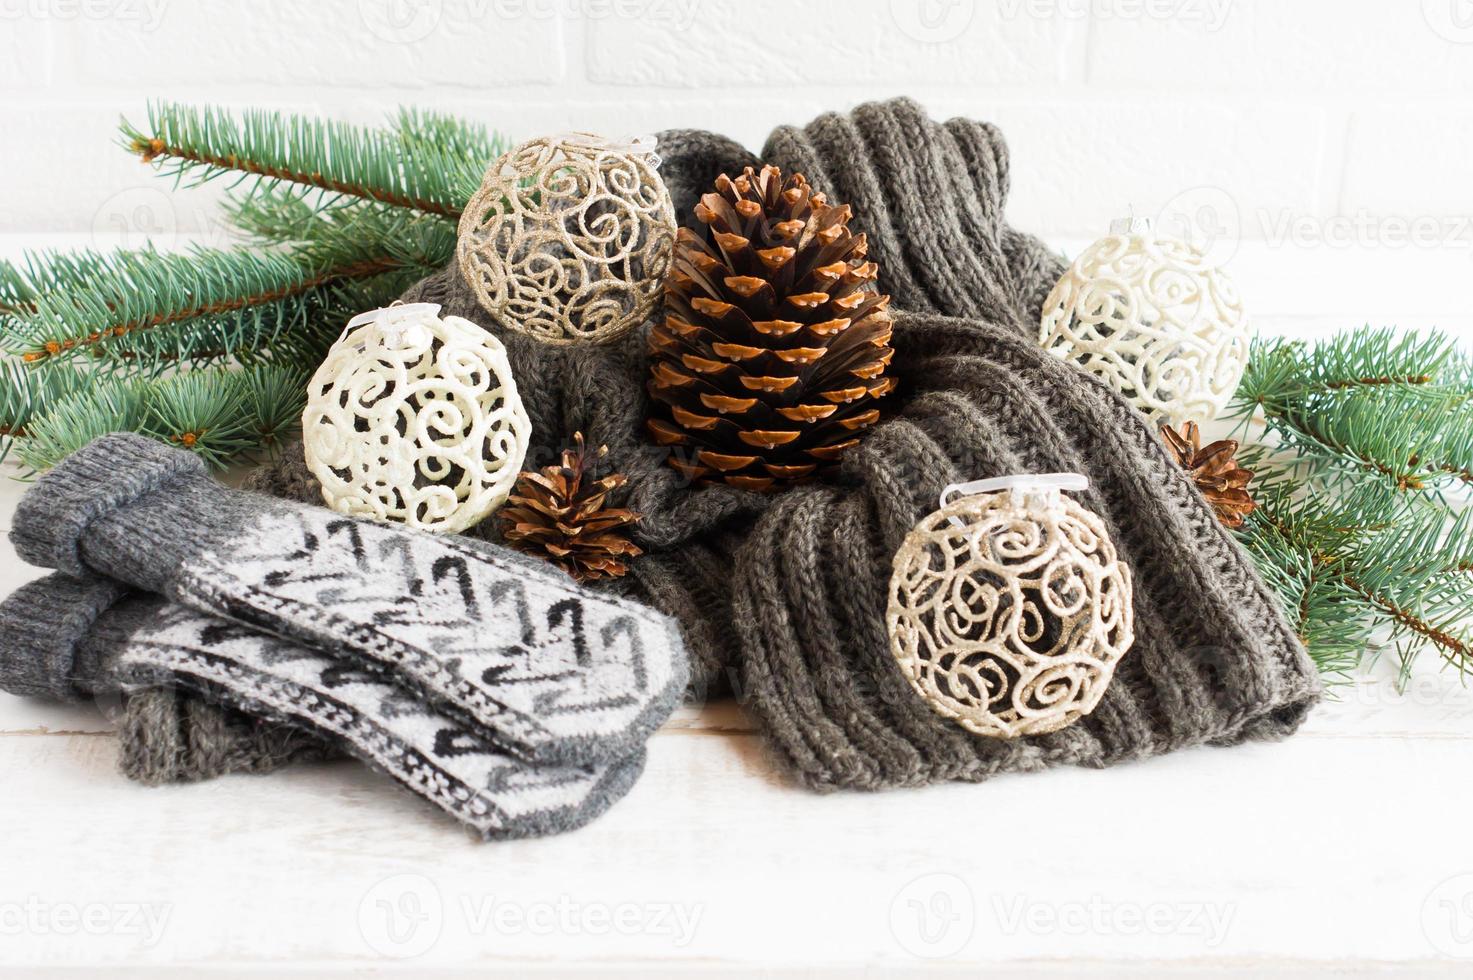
430	753
549	674
553	672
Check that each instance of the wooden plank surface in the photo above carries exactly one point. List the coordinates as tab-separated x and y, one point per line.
1339	852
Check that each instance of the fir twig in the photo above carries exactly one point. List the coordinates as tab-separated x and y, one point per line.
425	162
216	412
204	304
1364	433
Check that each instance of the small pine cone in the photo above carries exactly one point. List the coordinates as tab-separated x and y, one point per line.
560	514
772	355
1215	470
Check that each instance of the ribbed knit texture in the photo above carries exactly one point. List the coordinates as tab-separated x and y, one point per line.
783	596
171	735
56	614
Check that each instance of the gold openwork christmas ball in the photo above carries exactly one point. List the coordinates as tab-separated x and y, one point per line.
569	238
1009	609
1154	319
415	418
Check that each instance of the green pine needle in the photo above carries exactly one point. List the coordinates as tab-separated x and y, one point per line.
218	413
211	348
208	304
1369	440
424	161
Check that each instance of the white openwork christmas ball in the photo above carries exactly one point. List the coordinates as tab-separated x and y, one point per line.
569	238
1009	608
415	418
1155	320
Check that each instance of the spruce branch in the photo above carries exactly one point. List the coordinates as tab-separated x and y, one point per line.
205	304
225	296
424	161
1367	402
1283	371
55	407
216	412
26	392
1365	433
210	348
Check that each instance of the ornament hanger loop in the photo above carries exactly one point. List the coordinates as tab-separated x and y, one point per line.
642	145
1019	483
387	316
1131	226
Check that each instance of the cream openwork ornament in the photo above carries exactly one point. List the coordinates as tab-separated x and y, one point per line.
1008	606
1154	319
415	418
569	238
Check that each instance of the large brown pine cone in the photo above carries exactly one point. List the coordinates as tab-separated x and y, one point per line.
771	359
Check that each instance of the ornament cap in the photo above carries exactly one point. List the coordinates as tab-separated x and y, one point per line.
388	317
393	312
639	145
1020	484
1131	226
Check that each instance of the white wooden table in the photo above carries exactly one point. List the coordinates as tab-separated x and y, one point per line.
1341	851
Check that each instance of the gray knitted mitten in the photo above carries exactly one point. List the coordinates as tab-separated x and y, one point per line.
165	735
173	735
552	672
89	636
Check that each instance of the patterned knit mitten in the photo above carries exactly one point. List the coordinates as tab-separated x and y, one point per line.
165	735
552	672
88	635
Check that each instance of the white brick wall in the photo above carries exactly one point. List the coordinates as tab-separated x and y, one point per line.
1258	116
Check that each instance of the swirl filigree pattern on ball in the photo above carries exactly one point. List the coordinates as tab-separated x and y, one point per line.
416	419
1008	614
569	238
1153	319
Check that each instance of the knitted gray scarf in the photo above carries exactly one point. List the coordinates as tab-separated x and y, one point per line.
781	597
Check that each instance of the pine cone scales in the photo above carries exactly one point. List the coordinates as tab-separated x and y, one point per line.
773	351
1215	470
561	513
